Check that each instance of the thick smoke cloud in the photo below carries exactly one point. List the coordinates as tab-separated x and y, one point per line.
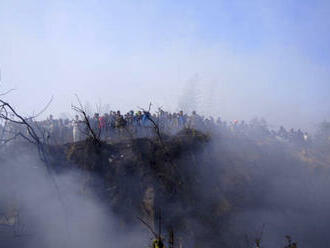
284	194
246	180
65	215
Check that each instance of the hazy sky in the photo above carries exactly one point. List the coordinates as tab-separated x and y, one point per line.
240	58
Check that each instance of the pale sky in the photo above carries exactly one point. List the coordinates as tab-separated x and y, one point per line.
240	59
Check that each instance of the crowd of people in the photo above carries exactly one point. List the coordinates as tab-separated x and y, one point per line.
115	125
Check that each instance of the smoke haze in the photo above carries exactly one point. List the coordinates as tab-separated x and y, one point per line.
259	59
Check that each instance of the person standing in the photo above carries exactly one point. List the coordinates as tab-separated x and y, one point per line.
76	129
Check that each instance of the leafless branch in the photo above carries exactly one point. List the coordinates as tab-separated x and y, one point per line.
7	92
148	226
45	108
80	110
8	113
